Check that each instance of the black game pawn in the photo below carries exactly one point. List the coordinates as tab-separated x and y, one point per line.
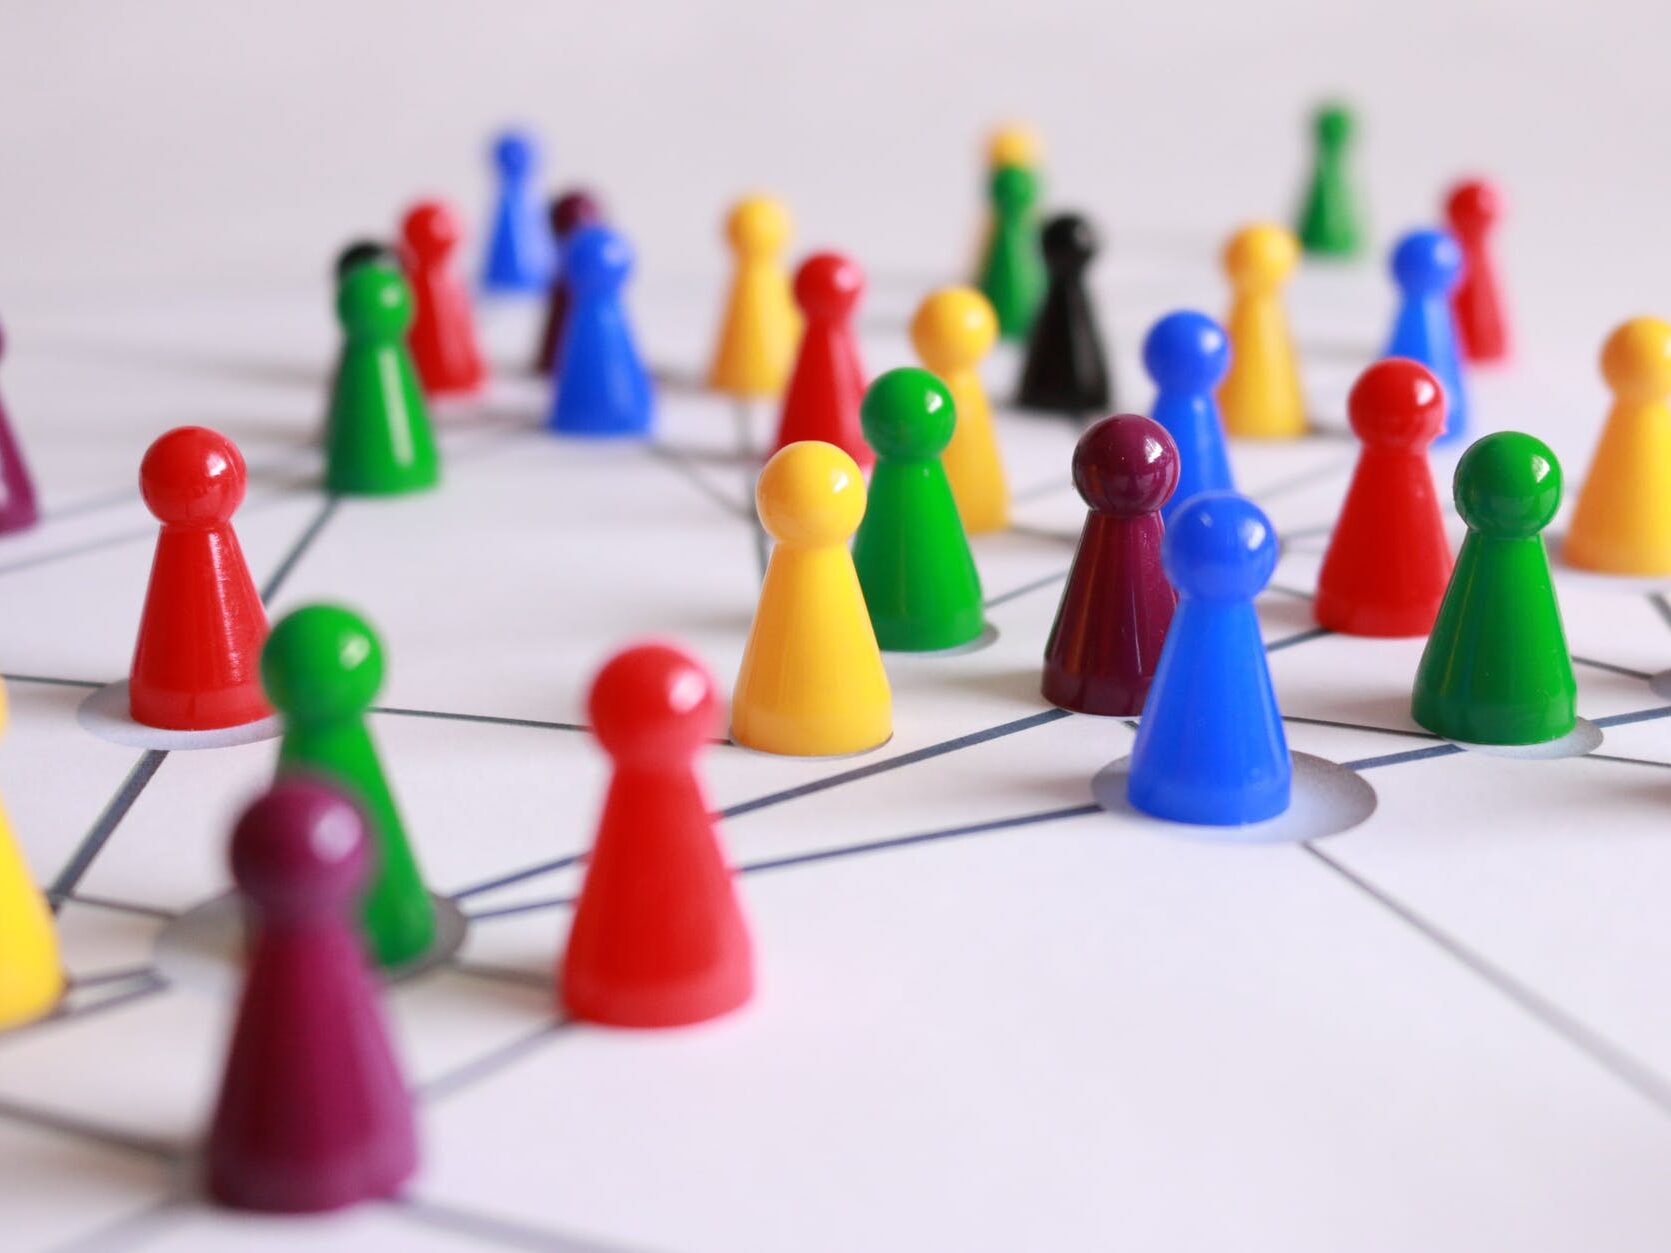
1066	370
362	252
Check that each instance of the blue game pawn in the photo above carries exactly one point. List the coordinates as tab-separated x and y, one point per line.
601	385
521	256
1427	266
1187	354
1211	748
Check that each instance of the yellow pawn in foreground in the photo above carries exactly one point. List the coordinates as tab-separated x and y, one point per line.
811	683
762	327
952	331
31	980
1623	521
1260	397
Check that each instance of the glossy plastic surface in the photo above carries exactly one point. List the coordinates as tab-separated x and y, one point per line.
1261	397
569	212
1330	220
1066	368
520	256
1482	321
18	507
1012	271
1187	354
601	387
827	384
31	976
953	331
445	351
1426	266
760	327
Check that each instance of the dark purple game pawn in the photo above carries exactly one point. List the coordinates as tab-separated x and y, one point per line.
569	212
1118	603
313	1113
18	510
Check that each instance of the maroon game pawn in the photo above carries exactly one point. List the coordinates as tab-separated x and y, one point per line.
569	212
18	510
1482	322
443	335
313	1113
658	938
1117	605
827	385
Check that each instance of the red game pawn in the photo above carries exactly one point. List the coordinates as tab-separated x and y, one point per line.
658	938
1481	320
569	212
197	664
443	335
822	399
1389	560
1117	605
313	1113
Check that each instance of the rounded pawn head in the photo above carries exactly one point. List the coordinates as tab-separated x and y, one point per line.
572	210
516	153
1508	485
953	329
1014	189
374	302
1219	546
321	664
1427	262
757	226
1636	360
1474	206
597	260
430	230
828	286
1068	242
1397	403
1125	466
811	494
300	849
651	703
1261	256
907	414
192	476
1333	124
363	252
1013	143
1186	351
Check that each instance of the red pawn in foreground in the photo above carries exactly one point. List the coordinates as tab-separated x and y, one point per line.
197	664
313	1113
822	399
658	938
443	334
1389	560
569	212
1117	605
1481	320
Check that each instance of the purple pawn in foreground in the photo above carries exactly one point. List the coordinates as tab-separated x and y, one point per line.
1117	605
18	510
313	1113
569	212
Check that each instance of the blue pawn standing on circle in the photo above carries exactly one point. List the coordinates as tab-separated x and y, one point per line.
601	385
1427	266
521	256
1211	749
1187	354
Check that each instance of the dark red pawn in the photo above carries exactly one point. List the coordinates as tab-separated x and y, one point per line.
827	385
1389	560
196	665
443	335
569	212
1481	319
313	1113
1117	605
18	510
658	937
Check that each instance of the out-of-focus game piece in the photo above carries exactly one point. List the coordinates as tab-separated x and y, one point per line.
1389	559
18	508
313	1113
811	683
363	252
1622	524
1012	272
197	661
1011	143
1426	266
912	556
760	326
520	255
31	978
569	212
1211	749
1112	620
1066	370
1261	396
443	335
1186	354
658	937
1482	321
378	438
1330	223
601	386
952	331
827	384
1496	668
323	666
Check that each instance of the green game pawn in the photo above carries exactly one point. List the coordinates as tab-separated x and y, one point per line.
322	667
1496	669
378	441
1012	274
910	551
1329	223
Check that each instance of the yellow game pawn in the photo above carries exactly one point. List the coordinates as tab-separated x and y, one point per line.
31	980
953	329
811	683
762	326
1260	397
1623	521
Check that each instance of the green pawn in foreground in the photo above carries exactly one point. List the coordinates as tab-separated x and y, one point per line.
322	667
1496	669
912	556
1012	273
377	440
1329	222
